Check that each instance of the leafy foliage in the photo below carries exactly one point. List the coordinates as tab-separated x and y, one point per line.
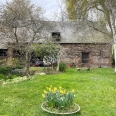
62	67
71	9
75	8
5	70
49	52
2	76
3	61
48	49
58	97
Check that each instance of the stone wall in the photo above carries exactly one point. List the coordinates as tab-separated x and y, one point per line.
100	55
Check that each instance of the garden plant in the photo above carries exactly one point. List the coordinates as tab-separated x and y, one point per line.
59	101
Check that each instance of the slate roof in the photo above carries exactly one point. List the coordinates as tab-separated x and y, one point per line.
71	32
79	32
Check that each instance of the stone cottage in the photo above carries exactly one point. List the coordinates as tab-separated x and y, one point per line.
81	45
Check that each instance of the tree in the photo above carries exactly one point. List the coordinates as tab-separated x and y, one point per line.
50	52
71	9
105	9
22	23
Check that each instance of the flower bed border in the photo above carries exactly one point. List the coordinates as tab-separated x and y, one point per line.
73	112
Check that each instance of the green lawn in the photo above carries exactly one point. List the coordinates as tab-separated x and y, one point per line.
95	93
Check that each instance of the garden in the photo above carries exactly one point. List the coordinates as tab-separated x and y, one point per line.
94	91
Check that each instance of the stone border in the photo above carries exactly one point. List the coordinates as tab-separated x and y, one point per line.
60	113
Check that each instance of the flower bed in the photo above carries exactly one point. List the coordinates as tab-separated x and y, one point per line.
59	101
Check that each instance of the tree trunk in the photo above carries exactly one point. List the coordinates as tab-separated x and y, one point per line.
27	65
113	20
10	56
57	68
114	37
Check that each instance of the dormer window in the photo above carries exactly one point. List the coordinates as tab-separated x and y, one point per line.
56	36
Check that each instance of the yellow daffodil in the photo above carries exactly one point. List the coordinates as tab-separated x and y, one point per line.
64	91
49	89
61	91
57	93
43	95
55	89
45	91
73	90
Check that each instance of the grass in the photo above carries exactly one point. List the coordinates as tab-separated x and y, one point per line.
95	93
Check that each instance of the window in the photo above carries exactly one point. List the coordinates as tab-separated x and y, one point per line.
3	52
85	57
56	36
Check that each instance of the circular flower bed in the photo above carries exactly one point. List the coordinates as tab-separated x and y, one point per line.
59	101
72	110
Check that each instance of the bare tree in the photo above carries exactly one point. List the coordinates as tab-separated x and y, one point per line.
22	23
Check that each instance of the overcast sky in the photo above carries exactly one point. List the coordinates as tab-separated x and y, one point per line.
50	6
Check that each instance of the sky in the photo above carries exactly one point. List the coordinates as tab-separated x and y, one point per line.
50	6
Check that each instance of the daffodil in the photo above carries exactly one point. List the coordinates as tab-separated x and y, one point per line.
43	95
45	91
50	89
64	91
57	94
55	89
61	91
73	90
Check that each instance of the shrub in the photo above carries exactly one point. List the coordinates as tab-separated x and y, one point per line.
3	61
2	76
58	97
5	70
62	67
5	77
19	66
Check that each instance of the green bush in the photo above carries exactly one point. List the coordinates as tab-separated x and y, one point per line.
62	67
5	70
5	77
19	66
2	76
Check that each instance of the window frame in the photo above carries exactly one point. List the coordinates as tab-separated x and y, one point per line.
86	59
56	36
3	52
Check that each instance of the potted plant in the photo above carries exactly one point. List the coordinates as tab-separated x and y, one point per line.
59	101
